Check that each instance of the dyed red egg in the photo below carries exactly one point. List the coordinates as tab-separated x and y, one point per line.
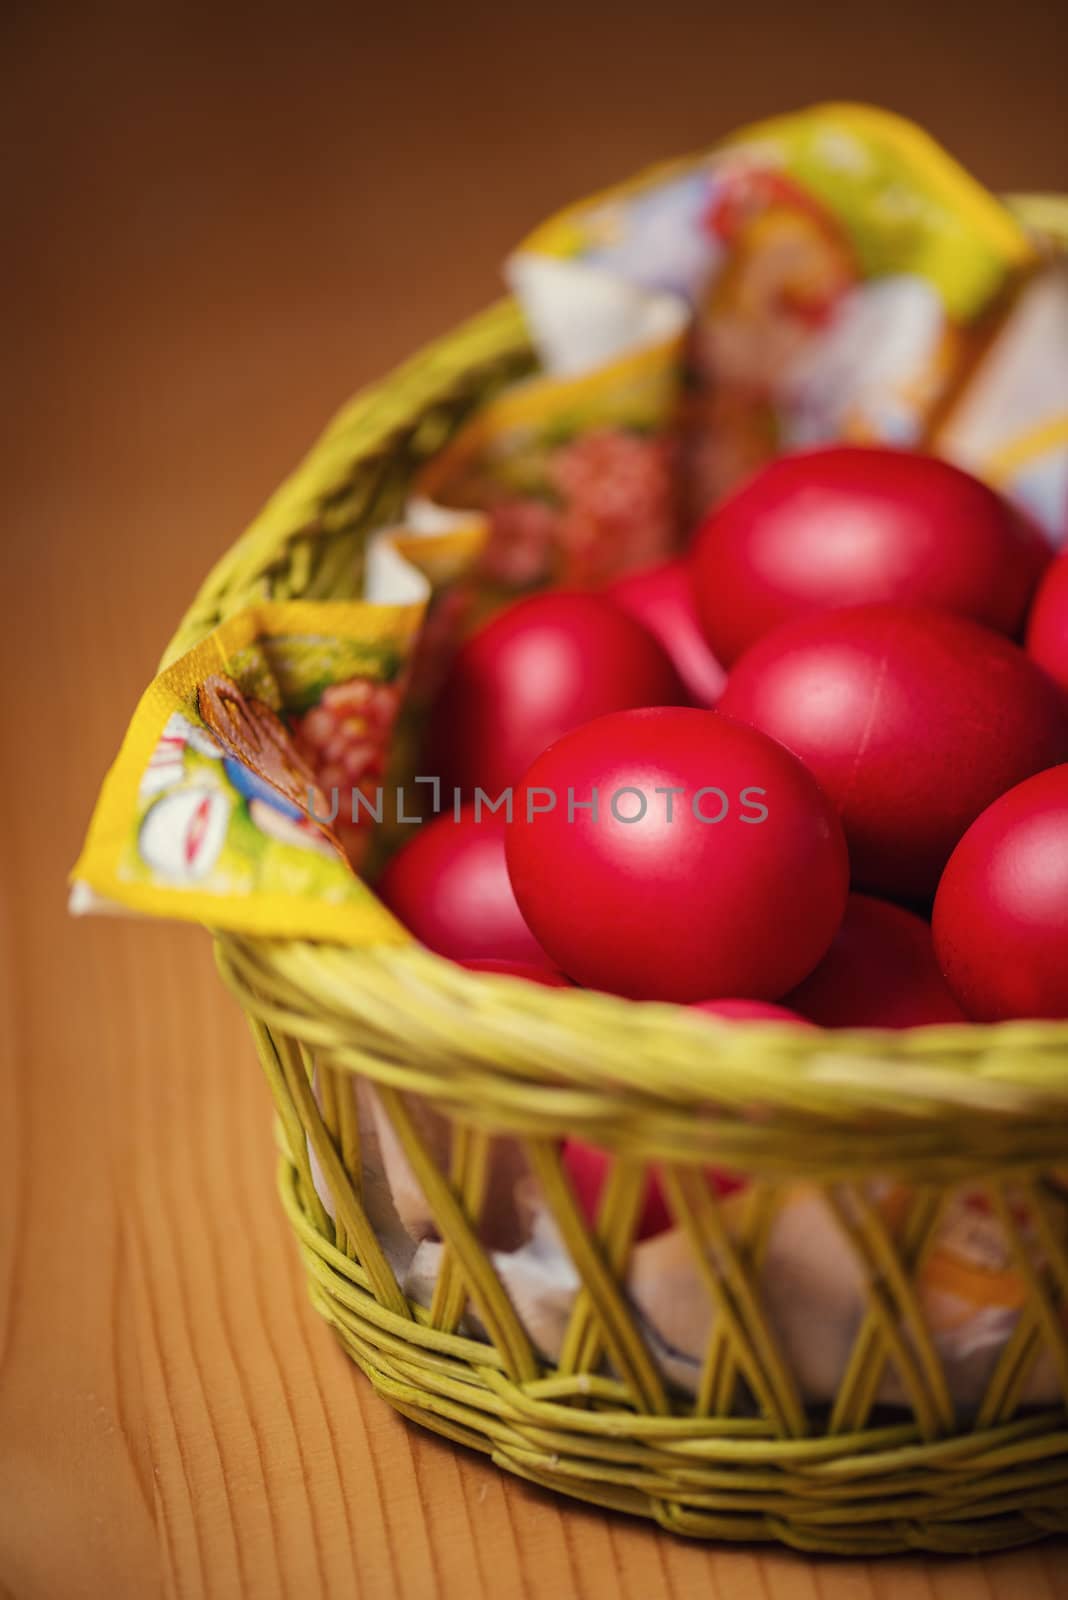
1047	630
880	972
855	525
912	721
1001	913
673	854
750	1011
449	886
520	969
587	1166
541	668
662	600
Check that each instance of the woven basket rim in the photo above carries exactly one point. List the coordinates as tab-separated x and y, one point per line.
526	1042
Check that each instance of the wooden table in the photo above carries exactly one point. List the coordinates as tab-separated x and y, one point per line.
214	233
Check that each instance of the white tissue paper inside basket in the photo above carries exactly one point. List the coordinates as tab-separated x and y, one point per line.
1012	426
811	1281
581	317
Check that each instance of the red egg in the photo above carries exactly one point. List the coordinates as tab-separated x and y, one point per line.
854	525
713	865
662	600
1047	630
587	1167
1001	912
880	972
520	969
541	668
912	721
449	886
749	1011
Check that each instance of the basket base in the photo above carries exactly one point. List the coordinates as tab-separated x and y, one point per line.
695	1517
882	1491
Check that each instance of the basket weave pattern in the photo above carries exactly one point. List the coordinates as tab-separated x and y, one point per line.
745	1457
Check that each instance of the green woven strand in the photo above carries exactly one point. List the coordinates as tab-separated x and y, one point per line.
468	1171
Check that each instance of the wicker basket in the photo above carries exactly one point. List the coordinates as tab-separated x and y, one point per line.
746	1459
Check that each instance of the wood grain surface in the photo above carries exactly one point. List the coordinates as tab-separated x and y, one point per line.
216	228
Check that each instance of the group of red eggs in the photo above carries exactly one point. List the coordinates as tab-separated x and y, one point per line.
884	641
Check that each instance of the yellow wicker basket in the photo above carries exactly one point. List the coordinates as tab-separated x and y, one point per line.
746	1458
